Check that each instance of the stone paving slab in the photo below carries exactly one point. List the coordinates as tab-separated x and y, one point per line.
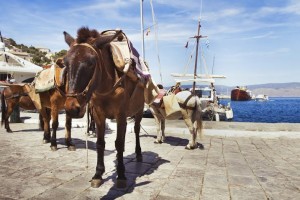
228	167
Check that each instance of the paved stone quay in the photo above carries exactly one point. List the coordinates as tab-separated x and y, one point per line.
231	166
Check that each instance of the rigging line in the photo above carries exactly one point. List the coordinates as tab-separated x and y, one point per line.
204	63
156	40
186	67
200	11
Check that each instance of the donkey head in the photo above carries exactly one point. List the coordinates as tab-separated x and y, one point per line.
84	65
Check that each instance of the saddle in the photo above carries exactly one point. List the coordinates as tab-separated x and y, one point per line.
128	61
126	58
44	80
49	78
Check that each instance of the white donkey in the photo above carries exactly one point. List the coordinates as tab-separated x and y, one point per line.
190	107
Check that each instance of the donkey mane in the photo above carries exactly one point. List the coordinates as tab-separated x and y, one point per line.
84	34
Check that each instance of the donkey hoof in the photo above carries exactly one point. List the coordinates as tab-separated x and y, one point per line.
45	141
71	148
9	131
95	183
121	183
189	147
53	148
157	141
201	146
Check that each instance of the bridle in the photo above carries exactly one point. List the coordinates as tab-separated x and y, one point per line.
94	78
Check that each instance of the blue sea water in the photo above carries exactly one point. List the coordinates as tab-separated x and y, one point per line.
275	110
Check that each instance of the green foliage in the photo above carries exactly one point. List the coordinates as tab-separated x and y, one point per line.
38	57
60	54
12	42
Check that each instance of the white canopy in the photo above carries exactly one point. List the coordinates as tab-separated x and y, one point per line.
23	67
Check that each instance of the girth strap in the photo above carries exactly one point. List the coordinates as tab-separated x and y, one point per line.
16	95
184	104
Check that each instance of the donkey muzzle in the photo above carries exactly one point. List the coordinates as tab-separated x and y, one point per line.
74	108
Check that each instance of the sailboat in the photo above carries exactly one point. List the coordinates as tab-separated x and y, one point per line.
213	110
15	67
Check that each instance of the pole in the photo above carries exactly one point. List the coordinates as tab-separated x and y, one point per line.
196	59
142	28
4	46
1	37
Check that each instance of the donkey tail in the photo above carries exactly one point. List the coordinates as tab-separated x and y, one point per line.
3	108
198	119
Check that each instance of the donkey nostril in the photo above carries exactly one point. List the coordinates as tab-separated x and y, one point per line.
78	110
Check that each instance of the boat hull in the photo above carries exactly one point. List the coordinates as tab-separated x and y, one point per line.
240	95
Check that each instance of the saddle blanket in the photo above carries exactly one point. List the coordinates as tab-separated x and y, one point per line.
35	97
45	80
123	52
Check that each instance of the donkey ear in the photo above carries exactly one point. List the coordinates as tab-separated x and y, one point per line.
68	38
102	40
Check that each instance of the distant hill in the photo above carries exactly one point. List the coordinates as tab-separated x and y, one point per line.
271	89
277	89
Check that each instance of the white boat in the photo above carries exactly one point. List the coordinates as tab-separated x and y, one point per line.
16	68
262	97
212	109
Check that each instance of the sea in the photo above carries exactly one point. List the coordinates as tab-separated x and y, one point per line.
275	110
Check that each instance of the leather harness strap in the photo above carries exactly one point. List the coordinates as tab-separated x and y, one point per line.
84	92
17	95
184	104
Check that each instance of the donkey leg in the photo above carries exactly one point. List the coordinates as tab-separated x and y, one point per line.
193	133
162	128
158	120
100	145
120	146
192	142
7	115
68	138
54	116
7	127
46	121
137	128
41	124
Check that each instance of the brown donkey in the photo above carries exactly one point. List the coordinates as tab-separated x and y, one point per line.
49	103
11	96
92	77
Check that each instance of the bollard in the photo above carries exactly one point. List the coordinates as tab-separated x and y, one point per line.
15	116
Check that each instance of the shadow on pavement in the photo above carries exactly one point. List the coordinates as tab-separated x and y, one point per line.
134	169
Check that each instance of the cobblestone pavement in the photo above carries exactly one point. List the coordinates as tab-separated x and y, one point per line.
228	167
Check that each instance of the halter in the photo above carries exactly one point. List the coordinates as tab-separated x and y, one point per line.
85	91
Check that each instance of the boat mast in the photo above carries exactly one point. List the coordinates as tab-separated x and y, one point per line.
142	28
198	36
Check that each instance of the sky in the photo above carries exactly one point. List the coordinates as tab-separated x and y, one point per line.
248	41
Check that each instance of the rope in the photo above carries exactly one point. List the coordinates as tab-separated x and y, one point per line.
86	139
144	130
200	15
186	67
156	39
